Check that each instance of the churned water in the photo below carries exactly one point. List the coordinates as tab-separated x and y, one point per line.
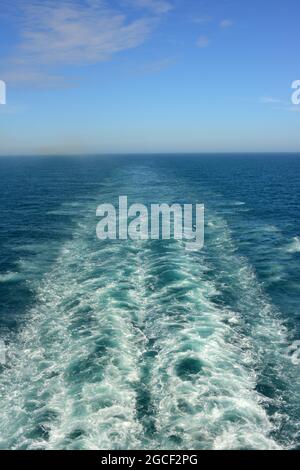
142	344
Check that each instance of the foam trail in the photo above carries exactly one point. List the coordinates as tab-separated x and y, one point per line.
220	375
145	345
70	381
202	381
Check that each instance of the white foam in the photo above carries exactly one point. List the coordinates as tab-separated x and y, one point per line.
74	367
10	276
294	246
215	407
74	375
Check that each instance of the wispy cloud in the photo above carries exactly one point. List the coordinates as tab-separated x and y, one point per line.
71	34
201	19
279	105
156	6
74	33
226	23
203	42
157	66
269	100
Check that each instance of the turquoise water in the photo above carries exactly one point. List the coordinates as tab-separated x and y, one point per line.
142	344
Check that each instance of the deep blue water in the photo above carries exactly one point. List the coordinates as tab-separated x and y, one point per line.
142	344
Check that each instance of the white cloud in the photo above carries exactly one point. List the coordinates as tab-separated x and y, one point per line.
33	76
203	41
68	32
157	66
156	6
226	23
281	105
270	100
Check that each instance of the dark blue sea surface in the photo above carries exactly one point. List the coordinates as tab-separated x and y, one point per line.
143	344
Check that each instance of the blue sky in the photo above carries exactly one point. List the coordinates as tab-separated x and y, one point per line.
100	76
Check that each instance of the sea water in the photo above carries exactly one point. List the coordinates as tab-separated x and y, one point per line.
142	344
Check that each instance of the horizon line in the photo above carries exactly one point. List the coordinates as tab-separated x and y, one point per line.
145	153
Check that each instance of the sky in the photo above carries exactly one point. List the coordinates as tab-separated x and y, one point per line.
135	76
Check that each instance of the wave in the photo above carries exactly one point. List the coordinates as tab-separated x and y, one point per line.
294	246
10	277
145	345
205	374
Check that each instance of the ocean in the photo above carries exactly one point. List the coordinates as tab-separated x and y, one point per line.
143	344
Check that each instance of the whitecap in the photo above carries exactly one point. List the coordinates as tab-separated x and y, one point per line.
10	277
294	246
